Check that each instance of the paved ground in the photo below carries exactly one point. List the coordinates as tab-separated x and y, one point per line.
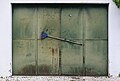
58	78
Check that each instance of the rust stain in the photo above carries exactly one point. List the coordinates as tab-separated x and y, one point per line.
53	51
56	50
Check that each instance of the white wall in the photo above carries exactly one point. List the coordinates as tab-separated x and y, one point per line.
5	38
6	33
114	39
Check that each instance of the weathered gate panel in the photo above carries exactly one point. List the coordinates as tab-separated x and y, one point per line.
24	46
24	22
96	40
95	22
24	57
48	49
71	54
96	58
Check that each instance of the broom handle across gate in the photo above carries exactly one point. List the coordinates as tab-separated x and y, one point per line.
66	40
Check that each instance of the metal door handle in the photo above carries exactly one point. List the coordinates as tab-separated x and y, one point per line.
45	35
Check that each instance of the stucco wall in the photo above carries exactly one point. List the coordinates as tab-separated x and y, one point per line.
6	38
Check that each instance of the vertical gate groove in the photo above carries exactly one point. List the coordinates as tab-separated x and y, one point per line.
60	68
84	72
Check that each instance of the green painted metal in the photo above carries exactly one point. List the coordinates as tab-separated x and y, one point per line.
24	22
95	22
96	40
24	57
96	58
85	24
24	44
71	54
48	49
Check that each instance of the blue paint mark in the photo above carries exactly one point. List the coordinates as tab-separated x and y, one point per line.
44	35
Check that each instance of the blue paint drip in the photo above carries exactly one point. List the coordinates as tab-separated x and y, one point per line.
44	35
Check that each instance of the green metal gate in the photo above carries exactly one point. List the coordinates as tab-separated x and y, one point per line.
85	24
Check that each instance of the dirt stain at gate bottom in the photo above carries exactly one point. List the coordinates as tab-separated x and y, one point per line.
45	69
31	70
28	70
